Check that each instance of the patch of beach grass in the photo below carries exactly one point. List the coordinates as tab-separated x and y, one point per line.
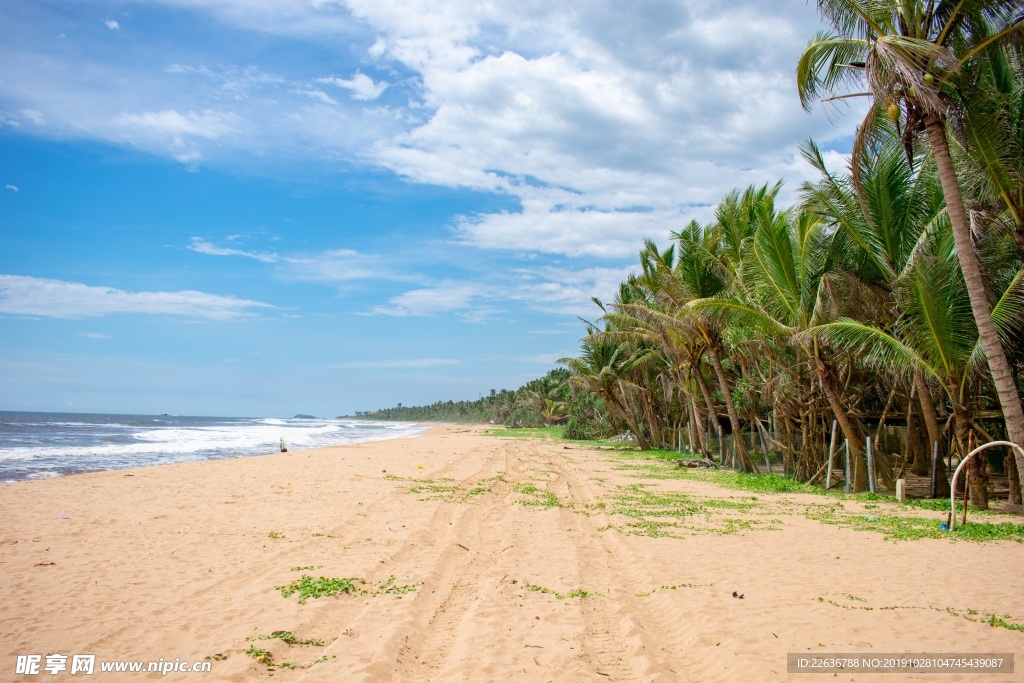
658	513
445	489
896	527
307	586
672	587
538	497
577	593
990	618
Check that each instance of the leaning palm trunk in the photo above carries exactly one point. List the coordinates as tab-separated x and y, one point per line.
931	421
999	366
853	437
623	410
737	438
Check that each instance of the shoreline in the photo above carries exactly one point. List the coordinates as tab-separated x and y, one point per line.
35	448
482	558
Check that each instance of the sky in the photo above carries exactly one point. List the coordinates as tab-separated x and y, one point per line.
273	207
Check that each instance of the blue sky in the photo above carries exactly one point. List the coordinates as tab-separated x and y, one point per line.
256	207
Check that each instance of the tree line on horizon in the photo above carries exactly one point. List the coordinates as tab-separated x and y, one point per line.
542	402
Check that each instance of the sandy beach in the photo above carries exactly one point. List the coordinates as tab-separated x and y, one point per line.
476	558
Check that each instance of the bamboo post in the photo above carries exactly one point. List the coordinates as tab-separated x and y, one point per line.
935	469
846	467
831	455
871	468
721	447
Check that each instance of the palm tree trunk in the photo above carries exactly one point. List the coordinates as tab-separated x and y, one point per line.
737	438
706	393
853	437
931	421
641	440
998	365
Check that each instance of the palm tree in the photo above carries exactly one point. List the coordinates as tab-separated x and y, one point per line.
601	368
912	54
879	224
935	336
784	293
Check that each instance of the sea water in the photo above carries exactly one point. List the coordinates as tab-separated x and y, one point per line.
41	445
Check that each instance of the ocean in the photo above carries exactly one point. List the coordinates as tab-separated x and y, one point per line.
43	445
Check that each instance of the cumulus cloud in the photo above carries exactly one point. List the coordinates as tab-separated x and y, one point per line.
112	24
605	126
24	295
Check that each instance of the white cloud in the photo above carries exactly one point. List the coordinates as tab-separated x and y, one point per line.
112	24
23	295
550	289
12	188
335	265
396	363
445	298
606	125
94	335
203	247
206	124
360	85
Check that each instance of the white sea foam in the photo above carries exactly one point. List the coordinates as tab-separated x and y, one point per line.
59	447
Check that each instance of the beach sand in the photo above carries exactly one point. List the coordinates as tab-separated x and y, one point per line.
490	542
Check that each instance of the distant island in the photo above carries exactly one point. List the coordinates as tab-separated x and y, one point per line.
300	416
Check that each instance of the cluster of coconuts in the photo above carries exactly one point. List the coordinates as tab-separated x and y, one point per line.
894	108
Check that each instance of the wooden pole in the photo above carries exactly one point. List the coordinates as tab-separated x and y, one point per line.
846	467
721	447
831	455
935	469
871	467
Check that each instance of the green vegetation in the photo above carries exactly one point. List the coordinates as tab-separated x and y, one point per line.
672	587
308	587
260	655
538	497
539	403
444	489
577	593
289	638
993	620
320	587
897	527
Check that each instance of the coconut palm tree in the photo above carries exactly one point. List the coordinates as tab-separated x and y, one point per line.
601	368
785	292
935	336
913	56
879	224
